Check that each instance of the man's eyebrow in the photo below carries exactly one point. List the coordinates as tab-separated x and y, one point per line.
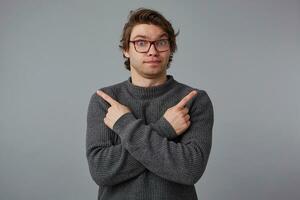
145	37
140	36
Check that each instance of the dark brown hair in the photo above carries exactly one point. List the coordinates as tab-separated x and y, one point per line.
147	16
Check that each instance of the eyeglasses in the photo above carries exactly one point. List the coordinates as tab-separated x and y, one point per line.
143	46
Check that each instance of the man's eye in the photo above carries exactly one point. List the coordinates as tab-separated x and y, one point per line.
162	42
141	43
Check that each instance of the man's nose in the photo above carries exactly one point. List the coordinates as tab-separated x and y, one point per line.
152	50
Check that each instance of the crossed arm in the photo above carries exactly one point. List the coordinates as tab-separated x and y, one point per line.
148	146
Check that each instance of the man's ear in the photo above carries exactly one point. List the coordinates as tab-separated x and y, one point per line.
126	54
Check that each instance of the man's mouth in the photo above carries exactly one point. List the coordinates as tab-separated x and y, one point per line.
152	61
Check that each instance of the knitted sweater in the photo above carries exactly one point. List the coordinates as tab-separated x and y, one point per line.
142	157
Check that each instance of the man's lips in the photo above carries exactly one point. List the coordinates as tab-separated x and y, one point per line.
152	61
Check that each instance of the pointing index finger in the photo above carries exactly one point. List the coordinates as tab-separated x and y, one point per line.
106	97
186	99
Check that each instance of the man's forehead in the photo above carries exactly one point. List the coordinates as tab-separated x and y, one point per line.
147	31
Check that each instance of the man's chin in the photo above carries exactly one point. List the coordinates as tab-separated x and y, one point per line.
154	73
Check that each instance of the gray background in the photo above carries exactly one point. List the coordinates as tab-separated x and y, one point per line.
55	54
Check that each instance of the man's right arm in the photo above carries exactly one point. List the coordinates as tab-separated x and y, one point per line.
109	164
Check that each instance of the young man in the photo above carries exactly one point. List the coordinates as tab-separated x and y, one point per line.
148	137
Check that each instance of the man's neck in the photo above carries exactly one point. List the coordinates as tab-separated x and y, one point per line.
141	81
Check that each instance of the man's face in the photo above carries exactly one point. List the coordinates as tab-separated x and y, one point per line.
153	63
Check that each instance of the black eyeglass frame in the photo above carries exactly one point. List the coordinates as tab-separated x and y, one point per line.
151	42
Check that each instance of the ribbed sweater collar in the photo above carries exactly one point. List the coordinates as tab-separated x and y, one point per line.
150	92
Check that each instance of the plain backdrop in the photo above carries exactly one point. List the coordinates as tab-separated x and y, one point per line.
55	54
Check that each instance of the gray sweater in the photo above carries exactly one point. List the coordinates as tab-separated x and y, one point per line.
142	157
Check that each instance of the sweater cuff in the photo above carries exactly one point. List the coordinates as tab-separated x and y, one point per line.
166	128
123	121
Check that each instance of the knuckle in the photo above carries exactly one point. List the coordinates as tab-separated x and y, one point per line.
187	123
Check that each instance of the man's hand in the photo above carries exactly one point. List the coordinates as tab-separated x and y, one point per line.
178	115
114	112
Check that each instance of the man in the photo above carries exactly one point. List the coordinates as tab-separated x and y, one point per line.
148	137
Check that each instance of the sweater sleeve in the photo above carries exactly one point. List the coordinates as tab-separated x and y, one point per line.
164	128
183	162
109	164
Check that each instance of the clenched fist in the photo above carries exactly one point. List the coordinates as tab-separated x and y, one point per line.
114	112
178	115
